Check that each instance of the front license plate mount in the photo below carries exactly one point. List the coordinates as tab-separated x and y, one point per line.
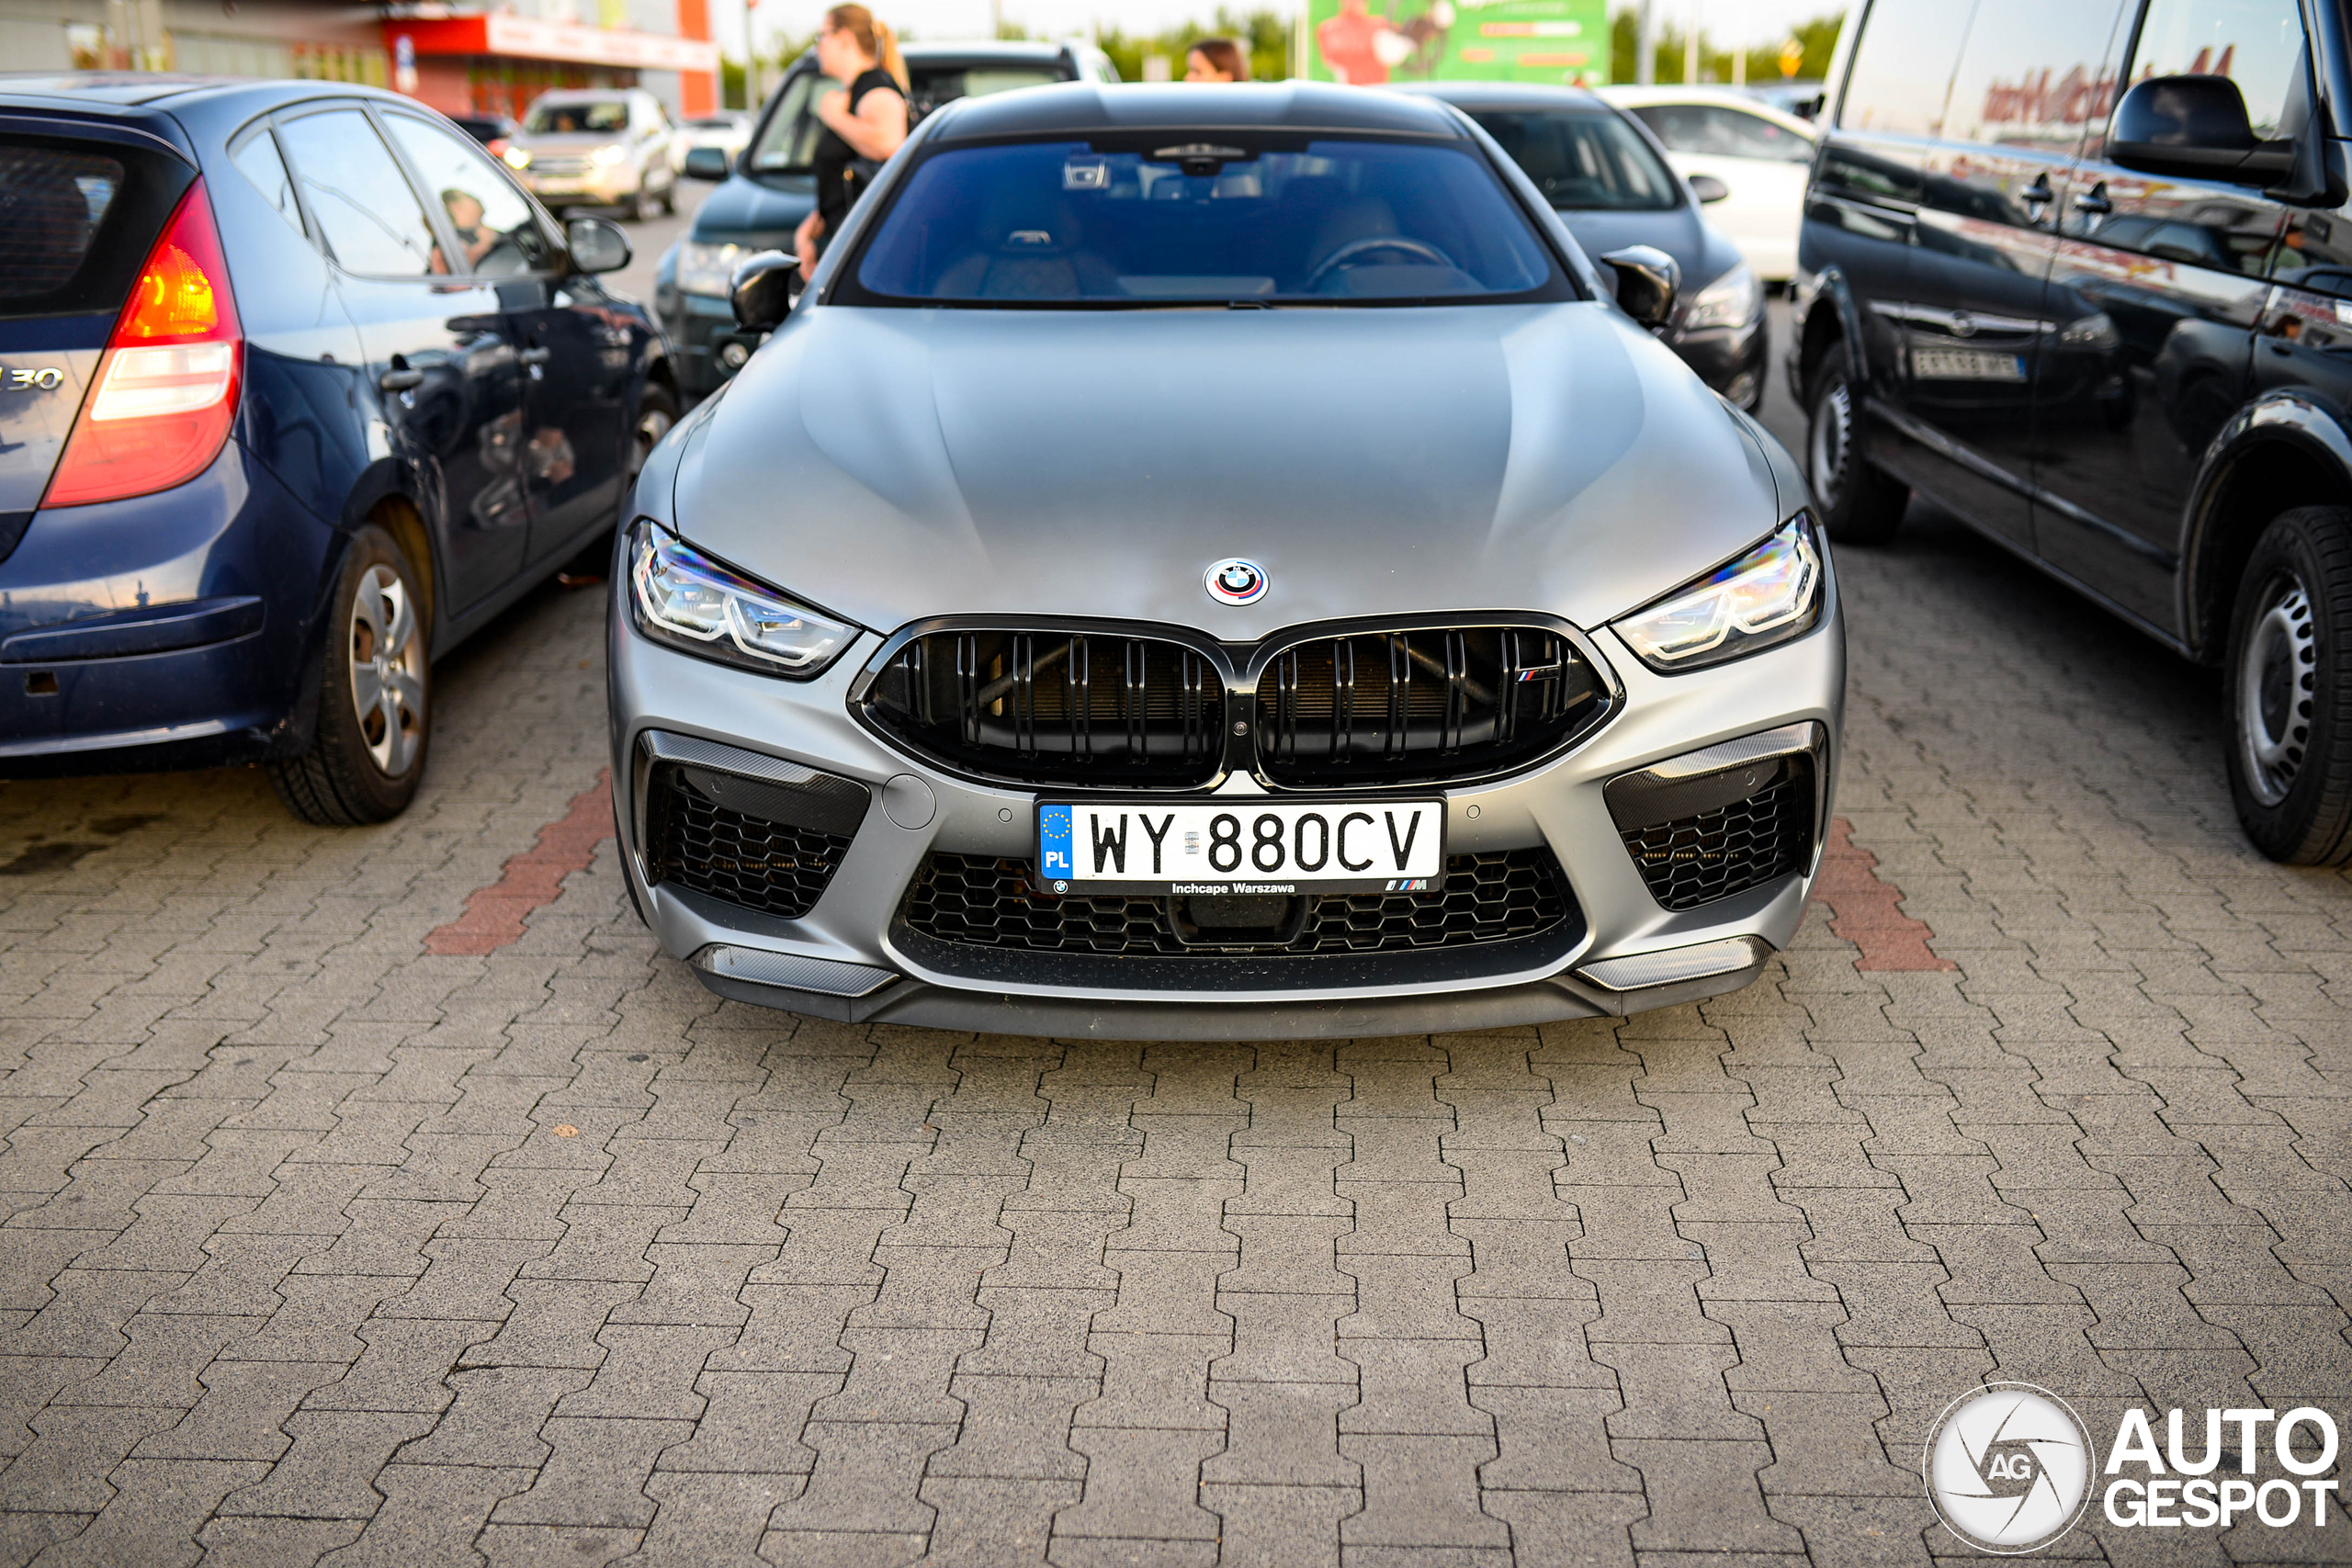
1248	846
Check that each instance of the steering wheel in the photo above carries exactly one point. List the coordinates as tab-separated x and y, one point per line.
1347	255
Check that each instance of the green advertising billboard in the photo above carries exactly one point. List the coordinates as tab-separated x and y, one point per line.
1371	41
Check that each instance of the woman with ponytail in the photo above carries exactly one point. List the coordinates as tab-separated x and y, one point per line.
864	124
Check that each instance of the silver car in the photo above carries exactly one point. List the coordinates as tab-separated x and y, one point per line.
1215	565
602	147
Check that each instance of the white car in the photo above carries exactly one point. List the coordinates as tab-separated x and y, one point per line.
729	131
1761	155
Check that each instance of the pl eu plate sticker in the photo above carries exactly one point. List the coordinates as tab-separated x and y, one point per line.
1054	863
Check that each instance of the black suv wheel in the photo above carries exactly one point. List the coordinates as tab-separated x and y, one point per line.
1859	504
2291	689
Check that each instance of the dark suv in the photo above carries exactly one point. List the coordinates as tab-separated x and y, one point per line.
771	188
2112	330
297	390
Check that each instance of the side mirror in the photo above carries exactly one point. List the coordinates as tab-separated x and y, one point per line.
597	245
706	163
761	290
2194	127
1647	281
1708	189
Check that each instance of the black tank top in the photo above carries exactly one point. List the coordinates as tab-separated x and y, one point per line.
839	181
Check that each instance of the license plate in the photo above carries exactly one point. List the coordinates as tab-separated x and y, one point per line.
1966	365
1241	846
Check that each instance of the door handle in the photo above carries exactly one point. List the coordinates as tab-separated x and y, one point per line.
401	380
2038	193
2094	200
536	356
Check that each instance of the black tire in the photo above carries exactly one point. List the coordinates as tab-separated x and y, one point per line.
365	767
670	199
2290	690
1859	504
642	205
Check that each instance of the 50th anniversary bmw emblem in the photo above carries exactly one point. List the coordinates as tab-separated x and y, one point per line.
1236	582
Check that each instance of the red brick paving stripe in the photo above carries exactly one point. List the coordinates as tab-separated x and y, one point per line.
494	915
1864	908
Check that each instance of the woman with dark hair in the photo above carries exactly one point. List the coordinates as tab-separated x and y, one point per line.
864	123
1216	60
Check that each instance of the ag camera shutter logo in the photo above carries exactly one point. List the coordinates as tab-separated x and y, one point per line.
2008	1468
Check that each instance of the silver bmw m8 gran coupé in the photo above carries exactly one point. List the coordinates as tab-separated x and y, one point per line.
1218	563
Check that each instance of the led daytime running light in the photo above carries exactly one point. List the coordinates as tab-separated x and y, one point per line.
1767	596
683	596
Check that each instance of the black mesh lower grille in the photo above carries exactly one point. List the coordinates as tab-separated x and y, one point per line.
1699	859
695	842
976	901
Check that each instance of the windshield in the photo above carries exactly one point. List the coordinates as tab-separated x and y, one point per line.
1584	161
1047	223
559	119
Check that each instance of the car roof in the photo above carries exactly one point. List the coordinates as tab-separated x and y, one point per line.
1737	98
1504	95
1089	107
1021	51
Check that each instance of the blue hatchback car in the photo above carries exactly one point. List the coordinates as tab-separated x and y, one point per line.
298	390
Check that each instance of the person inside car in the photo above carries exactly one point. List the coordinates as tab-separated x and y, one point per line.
1216	60
864	124
465	217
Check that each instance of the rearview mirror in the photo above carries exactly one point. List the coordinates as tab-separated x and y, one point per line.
761	290
2194	127
596	245
1708	189
1647	281
706	163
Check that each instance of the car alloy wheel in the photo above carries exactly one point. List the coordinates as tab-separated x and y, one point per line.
1831	449
1860	503
387	670
2277	669
2290	690
371	692
654	423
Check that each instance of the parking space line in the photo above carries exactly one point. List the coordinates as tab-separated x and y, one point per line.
494	914
1866	909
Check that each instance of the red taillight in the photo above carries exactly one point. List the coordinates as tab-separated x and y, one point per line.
166	389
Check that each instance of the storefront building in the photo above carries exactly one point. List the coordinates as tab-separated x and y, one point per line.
459	59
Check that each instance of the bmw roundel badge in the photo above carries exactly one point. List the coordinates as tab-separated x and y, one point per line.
1237	582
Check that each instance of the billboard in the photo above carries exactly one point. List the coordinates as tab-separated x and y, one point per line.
1371	41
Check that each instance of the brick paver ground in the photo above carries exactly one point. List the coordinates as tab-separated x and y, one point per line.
322	1247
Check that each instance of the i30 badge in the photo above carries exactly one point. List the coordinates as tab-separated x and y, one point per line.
1237	582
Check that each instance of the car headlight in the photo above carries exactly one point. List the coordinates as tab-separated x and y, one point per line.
686	599
706	269
611	152
1767	596
1728	302
518	157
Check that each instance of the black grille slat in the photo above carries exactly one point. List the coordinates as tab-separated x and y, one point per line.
1713	854
973	900
1092	709
696	844
1397	706
1057	707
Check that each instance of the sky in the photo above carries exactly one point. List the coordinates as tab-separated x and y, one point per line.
1724	21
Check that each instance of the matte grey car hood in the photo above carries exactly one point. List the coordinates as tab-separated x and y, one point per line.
889	464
